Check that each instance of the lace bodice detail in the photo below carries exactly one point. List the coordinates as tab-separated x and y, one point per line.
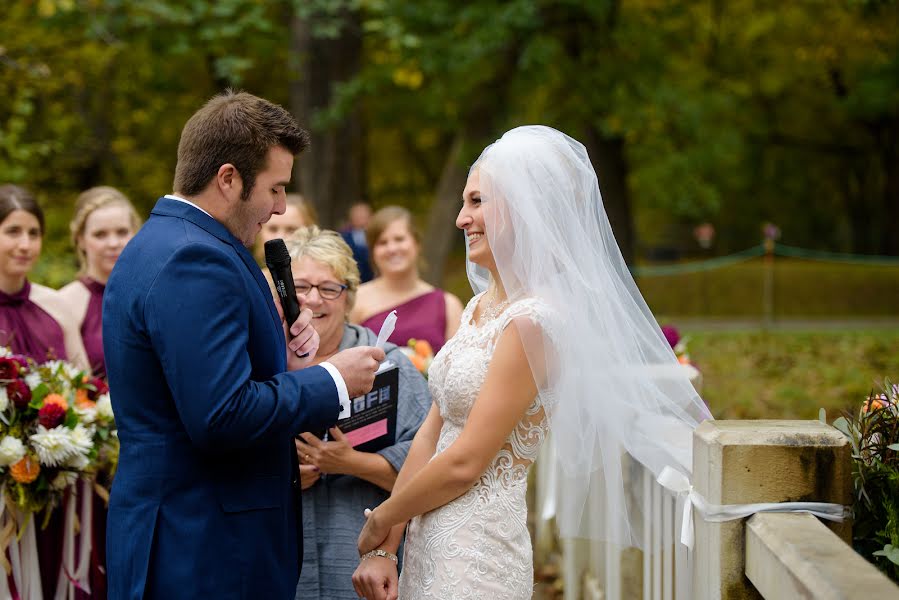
456	378
478	546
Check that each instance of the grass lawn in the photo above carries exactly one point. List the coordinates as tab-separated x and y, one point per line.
789	374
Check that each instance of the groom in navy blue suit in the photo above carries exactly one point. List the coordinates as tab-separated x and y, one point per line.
207	392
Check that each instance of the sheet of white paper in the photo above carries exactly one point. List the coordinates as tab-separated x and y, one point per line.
386	329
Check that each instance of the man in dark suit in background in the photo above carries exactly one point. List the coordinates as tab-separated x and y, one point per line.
208	394
354	235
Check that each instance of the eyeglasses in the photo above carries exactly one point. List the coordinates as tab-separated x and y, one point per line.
327	290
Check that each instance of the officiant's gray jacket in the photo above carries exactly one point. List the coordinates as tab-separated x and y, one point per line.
332	507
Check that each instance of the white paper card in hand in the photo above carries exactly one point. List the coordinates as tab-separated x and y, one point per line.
386	330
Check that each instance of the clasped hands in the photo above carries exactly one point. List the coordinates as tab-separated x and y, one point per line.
376	577
318	457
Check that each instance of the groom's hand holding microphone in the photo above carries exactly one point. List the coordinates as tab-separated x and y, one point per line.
357	365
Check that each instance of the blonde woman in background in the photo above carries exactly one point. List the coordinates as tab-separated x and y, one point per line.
104	221
298	213
425	312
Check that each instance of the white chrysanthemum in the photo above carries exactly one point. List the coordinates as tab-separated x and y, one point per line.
78	462
87	414
61	366
54	446
82	438
64	479
104	407
33	379
11	451
4	399
4	352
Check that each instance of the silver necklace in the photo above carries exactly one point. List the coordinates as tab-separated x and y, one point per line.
494	309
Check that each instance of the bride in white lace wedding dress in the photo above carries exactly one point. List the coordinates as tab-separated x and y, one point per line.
477	546
557	338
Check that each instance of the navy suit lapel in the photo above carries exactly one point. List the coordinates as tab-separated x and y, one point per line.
173	208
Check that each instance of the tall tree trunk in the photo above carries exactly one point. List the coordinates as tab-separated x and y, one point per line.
331	174
441	230
480	122
610	164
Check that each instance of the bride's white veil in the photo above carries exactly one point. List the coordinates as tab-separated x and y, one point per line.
600	348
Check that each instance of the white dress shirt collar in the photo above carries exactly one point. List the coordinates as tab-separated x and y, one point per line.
180	199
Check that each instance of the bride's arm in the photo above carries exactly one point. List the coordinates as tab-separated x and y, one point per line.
376	576
507	393
424	444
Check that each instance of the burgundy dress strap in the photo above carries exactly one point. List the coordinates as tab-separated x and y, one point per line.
92	326
421	318
27	329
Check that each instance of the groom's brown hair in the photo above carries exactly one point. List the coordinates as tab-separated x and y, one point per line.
236	128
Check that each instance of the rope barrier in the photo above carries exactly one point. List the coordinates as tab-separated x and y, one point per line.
757	251
700	265
840	257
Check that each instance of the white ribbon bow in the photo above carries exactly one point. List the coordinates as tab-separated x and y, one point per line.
678	483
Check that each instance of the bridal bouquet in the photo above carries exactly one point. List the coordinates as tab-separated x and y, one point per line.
56	423
57	437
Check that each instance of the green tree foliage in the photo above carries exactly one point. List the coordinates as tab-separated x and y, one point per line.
733	113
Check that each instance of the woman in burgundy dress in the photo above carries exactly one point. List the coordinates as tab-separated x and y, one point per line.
104	221
36	322
423	311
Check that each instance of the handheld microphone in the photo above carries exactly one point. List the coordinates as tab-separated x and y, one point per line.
277	259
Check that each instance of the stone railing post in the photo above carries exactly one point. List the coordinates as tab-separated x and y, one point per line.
742	462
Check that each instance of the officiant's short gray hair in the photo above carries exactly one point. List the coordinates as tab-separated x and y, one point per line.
327	247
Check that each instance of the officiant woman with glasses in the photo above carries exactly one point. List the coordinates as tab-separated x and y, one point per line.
338	483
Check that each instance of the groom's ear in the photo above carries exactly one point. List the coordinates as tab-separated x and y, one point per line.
229	182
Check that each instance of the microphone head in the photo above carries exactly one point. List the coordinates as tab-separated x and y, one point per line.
276	254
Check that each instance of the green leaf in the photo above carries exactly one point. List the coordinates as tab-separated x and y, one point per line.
103	433
842	425
71	419
38	394
890	552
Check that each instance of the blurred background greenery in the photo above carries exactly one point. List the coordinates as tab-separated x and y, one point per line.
695	113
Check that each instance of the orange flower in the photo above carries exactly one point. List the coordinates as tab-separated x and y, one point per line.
26	470
423	348
418	362
873	404
56	399
82	400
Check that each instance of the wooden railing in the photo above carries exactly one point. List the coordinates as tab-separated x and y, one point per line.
772	556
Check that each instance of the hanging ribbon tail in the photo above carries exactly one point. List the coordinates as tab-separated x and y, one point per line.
677	483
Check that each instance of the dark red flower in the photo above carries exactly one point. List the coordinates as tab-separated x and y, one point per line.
19	393
9	368
100	388
51	415
671	335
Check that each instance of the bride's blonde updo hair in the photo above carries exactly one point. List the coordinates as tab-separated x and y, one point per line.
89	201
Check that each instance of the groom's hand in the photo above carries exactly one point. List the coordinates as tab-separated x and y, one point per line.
302	339
357	366
376	579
